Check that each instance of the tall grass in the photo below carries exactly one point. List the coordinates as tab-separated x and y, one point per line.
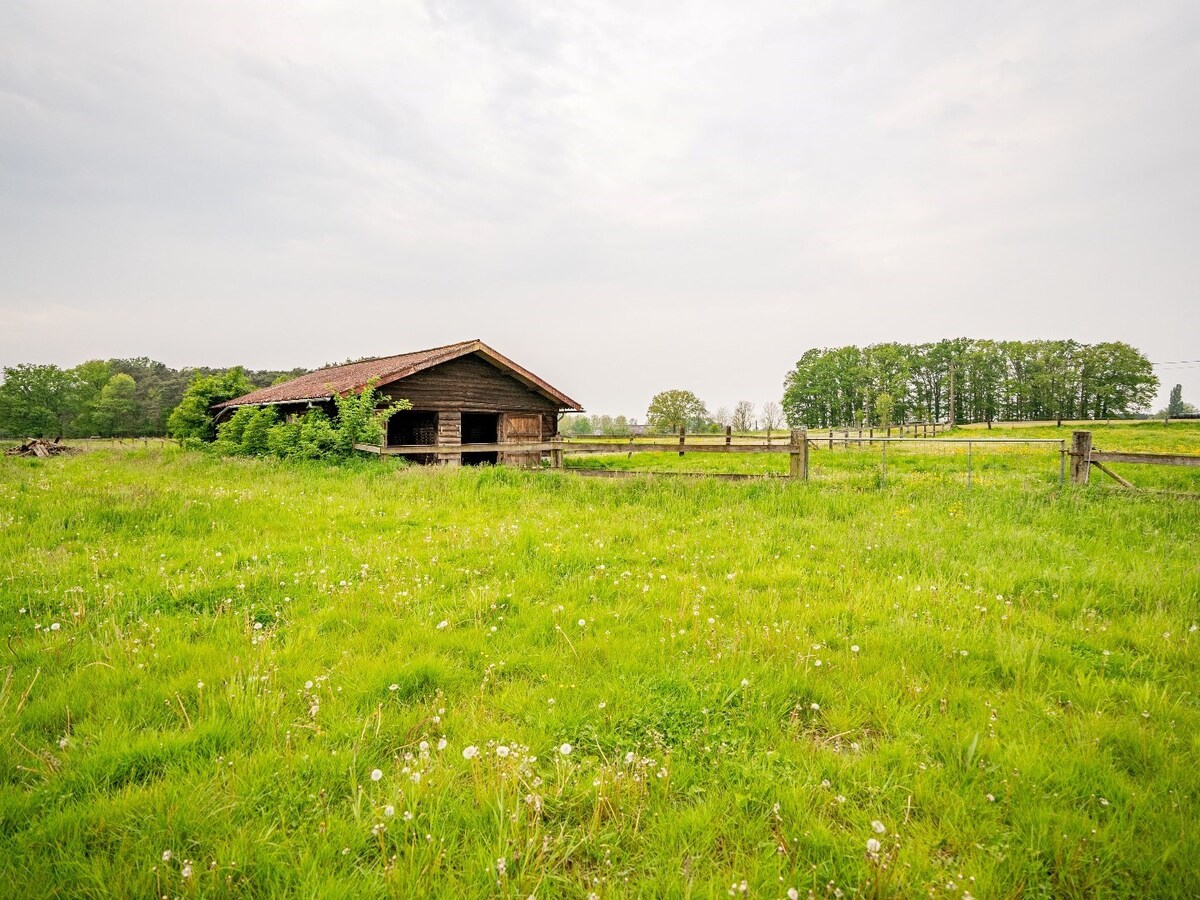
699	686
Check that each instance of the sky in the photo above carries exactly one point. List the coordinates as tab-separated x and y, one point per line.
623	197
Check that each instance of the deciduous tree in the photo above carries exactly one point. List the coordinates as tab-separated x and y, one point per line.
675	409
743	416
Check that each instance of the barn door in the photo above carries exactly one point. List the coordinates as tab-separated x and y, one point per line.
521	428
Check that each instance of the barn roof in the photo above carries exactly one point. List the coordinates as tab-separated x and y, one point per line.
324	383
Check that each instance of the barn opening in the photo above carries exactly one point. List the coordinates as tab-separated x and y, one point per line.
409	427
480	428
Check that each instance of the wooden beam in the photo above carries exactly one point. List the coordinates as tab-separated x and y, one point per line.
1160	459
1113	475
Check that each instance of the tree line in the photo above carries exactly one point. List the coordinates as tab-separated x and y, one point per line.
674	409
880	384
106	397
885	384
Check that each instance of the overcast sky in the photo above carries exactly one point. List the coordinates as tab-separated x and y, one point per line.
622	196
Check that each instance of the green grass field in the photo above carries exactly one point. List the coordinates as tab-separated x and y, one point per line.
251	678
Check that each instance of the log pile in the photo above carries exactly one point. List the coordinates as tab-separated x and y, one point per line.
41	448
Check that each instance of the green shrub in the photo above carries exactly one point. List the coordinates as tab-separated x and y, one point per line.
361	419
193	417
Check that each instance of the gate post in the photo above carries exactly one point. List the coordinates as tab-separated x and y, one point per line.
1081	456
799	454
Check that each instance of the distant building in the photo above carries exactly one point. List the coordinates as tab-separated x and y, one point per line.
461	394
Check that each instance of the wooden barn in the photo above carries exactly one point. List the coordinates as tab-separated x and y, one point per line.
462	394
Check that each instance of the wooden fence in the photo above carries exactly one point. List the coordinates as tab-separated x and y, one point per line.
797	446
1083	456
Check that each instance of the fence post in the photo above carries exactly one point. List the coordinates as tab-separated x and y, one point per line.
799	454
556	456
1081	456
968	463
830	437
729	436
682	432
883	469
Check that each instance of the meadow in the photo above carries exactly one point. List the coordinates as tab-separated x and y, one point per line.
251	678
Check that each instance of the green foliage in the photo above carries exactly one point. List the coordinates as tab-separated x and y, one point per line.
50	400
247	432
575	425
584	426
257	431
362	417
114	408
193	418
36	401
1177	406
671	410
90	379
1007	683
1010	380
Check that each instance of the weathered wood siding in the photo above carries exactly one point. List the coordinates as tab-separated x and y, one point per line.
521	428
449	433
468	383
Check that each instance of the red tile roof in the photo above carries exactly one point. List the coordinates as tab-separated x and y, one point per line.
324	383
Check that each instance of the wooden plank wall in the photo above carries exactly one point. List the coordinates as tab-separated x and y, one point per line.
471	384
449	433
520	428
